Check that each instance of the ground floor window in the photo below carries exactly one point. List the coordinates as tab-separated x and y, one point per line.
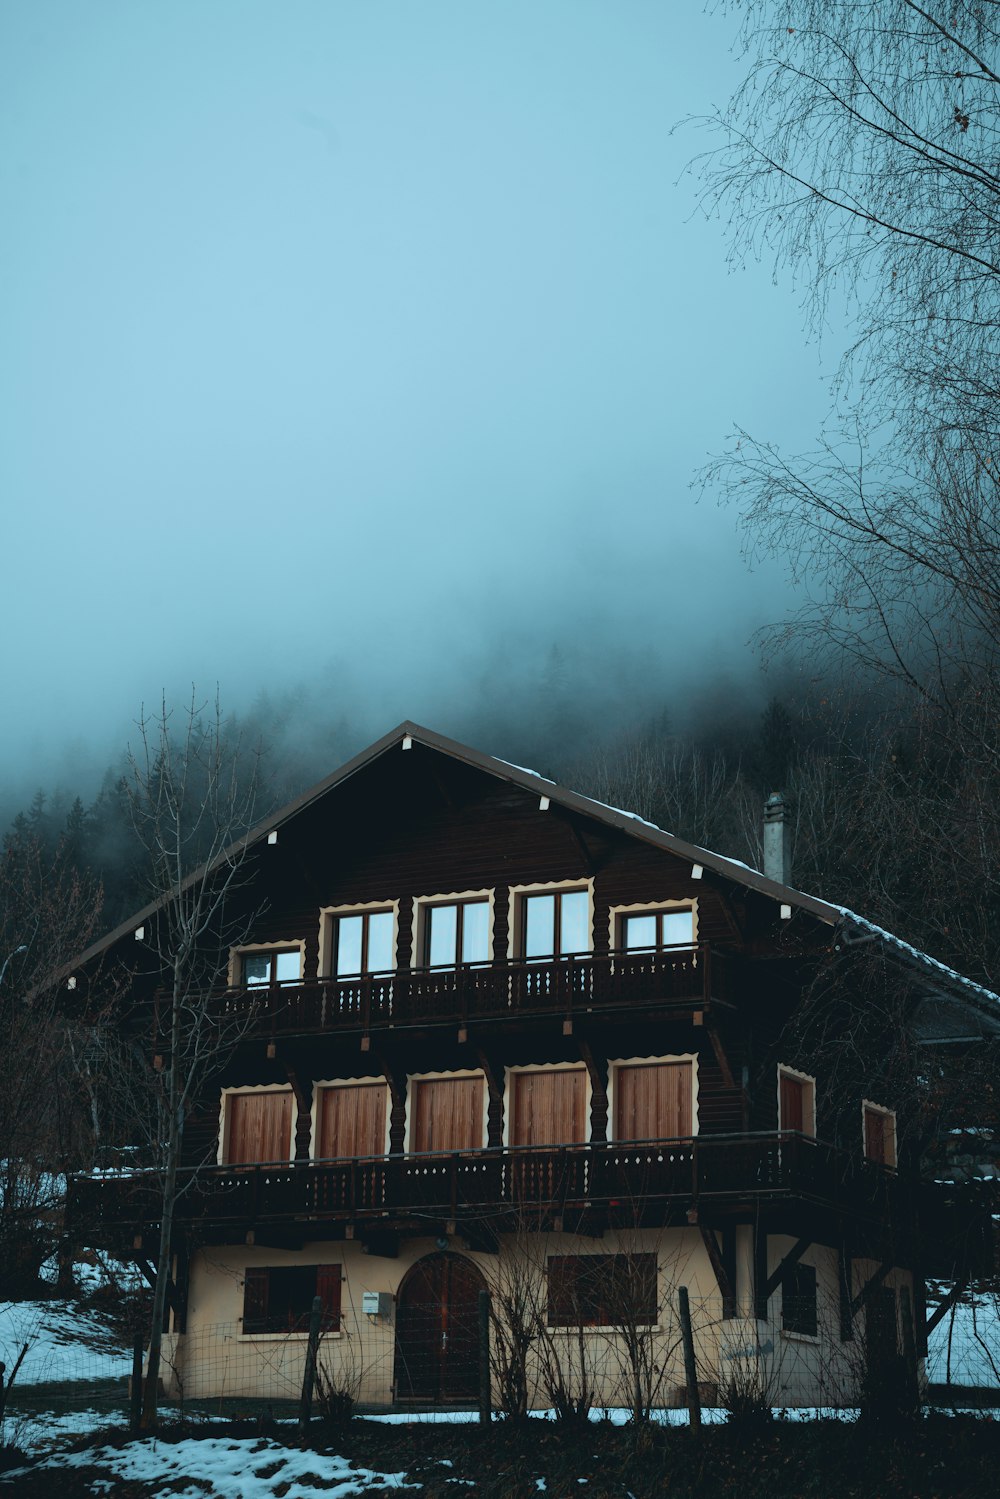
602	1290
798	1300
279	1299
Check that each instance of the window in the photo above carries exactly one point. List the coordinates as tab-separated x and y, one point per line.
362	944
798	1300
350	1120
602	1290
271	966
647	931
258	1126
796	1102
456	932
654	1101
446	1113
880	1134
556	924
279	1300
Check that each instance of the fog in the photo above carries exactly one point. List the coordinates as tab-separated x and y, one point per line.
365	352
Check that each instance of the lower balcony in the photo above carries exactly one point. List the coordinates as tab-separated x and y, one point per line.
649	1182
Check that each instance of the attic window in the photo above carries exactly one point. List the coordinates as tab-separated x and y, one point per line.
649	931
555	924
796	1102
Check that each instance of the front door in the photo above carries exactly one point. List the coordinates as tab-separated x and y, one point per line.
437	1331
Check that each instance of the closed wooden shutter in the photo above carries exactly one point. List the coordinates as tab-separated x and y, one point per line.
255	1284
654	1101
351	1121
328	1282
447	1114
549	1107
260	1127
795	1109
878	1137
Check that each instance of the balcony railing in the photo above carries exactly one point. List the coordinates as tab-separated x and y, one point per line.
453	1185
590	982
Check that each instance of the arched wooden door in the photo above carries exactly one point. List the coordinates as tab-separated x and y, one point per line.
437	1331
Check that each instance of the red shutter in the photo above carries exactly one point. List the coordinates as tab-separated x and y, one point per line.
793	1104
328	1290
255	1301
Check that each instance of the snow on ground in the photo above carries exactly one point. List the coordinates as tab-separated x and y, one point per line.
228	1468
65	1342
965	1345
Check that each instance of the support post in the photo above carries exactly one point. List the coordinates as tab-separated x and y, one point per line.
485	1394
309	1374
690	1368
909	1349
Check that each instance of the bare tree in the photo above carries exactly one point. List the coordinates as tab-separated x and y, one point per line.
49	911
192	794
861	151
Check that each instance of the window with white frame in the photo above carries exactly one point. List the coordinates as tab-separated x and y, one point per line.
456	932
269	967
361	942
652	931
554	924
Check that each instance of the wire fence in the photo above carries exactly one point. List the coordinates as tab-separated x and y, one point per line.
425	1358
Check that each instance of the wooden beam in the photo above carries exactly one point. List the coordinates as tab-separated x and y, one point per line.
944	1307
759	1270
723	1277
844	1276
870	1286
597	1071
720	1052
494	1087
791	1258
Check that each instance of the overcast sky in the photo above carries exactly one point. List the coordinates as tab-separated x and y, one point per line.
373	332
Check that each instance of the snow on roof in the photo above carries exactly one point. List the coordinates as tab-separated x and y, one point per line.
914	952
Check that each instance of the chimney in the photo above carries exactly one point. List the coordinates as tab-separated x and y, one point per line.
777	839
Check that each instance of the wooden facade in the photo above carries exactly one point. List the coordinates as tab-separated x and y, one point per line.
631	1082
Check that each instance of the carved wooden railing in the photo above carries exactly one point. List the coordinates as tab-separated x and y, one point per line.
467	1183
694	975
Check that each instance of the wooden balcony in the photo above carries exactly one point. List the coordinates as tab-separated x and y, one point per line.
623	1182
691	977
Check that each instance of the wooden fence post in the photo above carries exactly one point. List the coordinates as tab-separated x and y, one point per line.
485	1393
135	1387
690	1368
309	1373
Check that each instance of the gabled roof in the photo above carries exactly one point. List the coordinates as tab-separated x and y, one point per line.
856	928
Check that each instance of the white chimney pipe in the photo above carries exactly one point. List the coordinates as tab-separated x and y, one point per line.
777	839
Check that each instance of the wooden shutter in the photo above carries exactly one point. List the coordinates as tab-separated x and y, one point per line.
255	1301
328	1282
654	1102
878	1137
549	1107
260	1127
351	1121
794	1105
447	1114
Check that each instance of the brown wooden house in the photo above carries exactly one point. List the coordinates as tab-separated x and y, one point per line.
493	1033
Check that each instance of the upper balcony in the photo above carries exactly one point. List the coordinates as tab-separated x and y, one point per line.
684	978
